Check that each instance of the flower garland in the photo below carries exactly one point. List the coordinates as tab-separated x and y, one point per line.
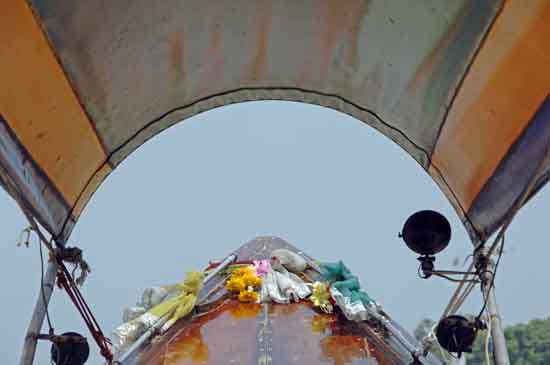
244	281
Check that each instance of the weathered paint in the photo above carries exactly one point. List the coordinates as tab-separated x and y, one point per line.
514	173
90	188
26	181
444	80
504	88
263	45
40	106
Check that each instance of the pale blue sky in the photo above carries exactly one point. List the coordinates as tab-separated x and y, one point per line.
315	177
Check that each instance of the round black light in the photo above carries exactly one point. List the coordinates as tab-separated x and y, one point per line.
71	348
427	232
456	334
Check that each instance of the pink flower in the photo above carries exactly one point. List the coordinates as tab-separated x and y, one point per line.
261	266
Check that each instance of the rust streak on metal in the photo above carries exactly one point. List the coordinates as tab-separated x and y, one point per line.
339	23
435	56
355	31
177	65
214	62
257	67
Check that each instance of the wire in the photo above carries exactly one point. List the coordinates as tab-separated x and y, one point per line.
494	273
470	256
455	296
46	304
455	280
464	296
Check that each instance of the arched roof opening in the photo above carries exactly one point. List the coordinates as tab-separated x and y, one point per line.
446	81
321	179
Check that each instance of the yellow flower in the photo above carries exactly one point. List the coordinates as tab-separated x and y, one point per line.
321	297
242	271
251	279
244	280
248	296
235	284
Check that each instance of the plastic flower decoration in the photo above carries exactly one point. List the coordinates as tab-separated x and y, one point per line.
321	297
244	280
252	280
242	271
261	266
235	284
249	296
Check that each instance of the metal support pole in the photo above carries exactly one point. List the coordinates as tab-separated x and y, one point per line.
497	332
44	295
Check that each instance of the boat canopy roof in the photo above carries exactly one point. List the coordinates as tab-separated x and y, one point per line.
462	86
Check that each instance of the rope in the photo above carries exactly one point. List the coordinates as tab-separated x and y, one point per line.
74	256
493	275
65	281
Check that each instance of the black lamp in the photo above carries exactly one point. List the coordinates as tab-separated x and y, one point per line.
69	348
427	233
457	334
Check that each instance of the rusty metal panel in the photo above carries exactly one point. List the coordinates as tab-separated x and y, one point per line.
26	181
405	68
140	66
